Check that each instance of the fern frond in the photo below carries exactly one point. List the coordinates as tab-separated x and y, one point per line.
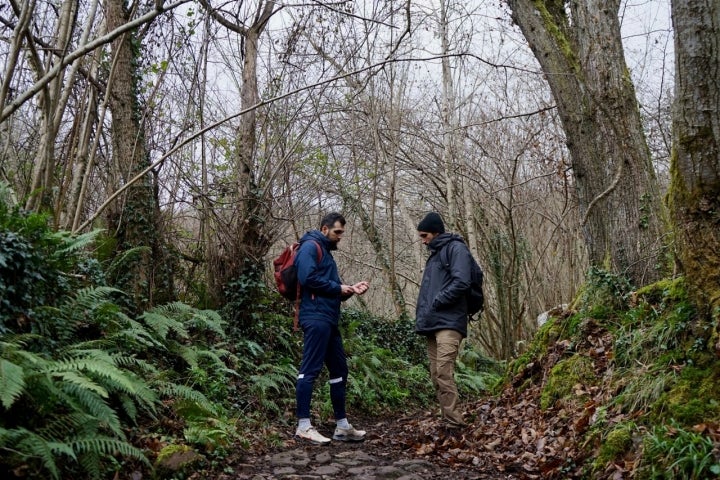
105	369
129	361
217	364
137	332
162	324
107	446
12	382
92	464
35	448
127	257
200	319
76	243
173	390
272	379
98	411
128	405
97	363
250	347
189	354
13	342
91	298
174	310
81	382
208	320
65	424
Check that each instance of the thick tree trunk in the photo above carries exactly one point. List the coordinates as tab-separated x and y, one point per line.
580	50
134	220
695	182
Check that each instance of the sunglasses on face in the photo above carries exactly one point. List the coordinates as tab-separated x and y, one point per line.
338	232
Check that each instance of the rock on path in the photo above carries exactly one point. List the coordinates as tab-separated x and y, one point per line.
317	463
348	461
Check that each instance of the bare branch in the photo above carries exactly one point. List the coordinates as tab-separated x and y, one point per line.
84	49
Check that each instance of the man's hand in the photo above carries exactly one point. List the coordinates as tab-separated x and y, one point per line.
361	287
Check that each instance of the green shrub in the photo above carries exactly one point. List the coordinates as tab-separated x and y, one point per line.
396	335
38	267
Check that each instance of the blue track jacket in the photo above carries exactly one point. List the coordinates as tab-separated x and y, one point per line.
320	282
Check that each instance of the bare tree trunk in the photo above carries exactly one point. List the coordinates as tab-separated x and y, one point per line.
241	243
21	28
52	106
580	50
448	122
79	155
134	220
695	163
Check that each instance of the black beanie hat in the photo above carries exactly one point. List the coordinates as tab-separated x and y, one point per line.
432	223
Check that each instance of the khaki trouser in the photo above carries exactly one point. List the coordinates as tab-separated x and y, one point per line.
443	349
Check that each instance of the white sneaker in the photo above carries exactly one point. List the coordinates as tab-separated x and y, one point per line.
311	435
349	434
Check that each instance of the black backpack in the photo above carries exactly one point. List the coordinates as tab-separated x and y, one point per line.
475	297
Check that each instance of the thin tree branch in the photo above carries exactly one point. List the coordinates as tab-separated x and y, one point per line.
50	75
152	166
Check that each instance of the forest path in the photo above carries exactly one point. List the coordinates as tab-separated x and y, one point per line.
416	448
508	437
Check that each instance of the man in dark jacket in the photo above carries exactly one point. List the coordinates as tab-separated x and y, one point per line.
441	313
319	316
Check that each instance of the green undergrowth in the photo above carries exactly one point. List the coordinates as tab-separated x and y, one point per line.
91	389
656	384
388	371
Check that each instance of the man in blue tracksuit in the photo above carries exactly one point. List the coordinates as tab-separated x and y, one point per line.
319	316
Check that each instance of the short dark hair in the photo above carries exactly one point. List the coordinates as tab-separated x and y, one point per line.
330	219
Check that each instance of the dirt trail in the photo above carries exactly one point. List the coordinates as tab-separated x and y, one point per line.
407	449
509	436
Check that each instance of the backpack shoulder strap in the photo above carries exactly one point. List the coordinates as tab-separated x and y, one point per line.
445	256
319	250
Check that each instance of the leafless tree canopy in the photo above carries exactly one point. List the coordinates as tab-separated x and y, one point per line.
251	119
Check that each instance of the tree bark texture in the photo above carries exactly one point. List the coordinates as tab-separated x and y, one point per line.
241	239
579	49
51	107
134	219
695	163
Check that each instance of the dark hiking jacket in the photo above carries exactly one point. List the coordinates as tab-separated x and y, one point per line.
441	302
320	282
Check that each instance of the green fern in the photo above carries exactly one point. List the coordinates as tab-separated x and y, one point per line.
31	447
94	363
216	363
162	325
175	391
135	333
107	446
71	244
12	382
208	320
126	258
